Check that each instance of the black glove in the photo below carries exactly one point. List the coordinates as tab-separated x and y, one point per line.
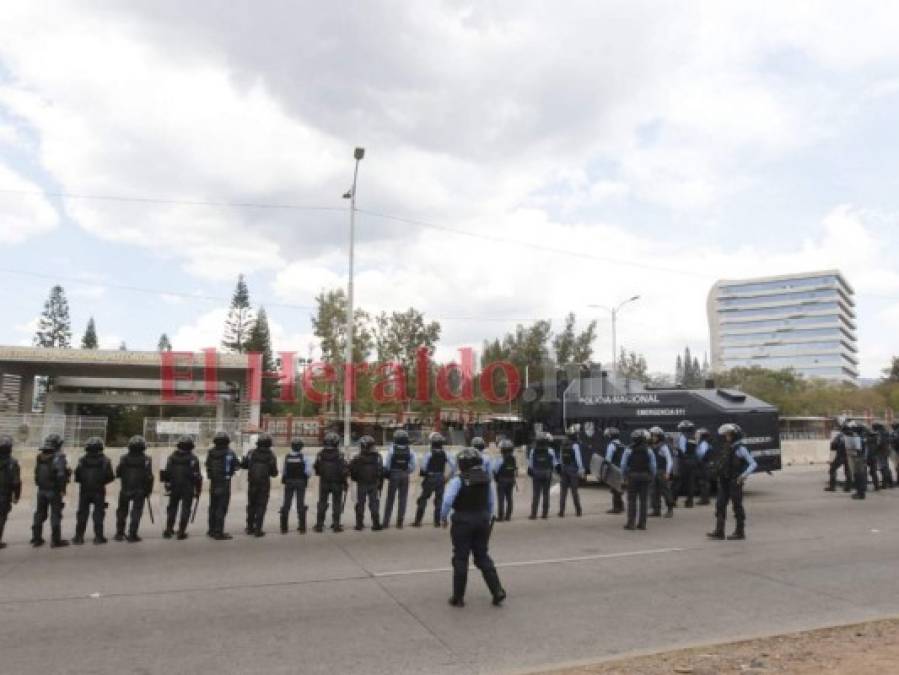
530	472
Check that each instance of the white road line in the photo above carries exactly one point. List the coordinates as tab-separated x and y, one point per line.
529	563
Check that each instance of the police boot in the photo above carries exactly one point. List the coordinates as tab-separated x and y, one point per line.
98	536
37	537
56	540
399	522
301	528
119	532
419	515
283	522
376	524
718	532
80	527
491	577
2	527
670	512
832	485
360	525
460	580
132	538
738	533
182	534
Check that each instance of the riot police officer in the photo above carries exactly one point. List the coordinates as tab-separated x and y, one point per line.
540	469
880	449
433	474
471	501
570	467
93	473
735	466
183	483
51	476
688	463
857	452
661	483
221	465
135	471
10	482
367	471
614	452
638	470
332	470
841	459
399	465
261	466
708	458
505	473
295	477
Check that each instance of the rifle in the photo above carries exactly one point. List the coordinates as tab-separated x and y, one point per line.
150	509
193	516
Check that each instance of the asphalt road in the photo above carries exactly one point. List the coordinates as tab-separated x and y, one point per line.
580	589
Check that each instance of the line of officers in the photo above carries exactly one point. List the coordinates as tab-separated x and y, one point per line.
651	473
861	451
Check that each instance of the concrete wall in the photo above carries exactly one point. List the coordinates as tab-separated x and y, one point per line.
797	452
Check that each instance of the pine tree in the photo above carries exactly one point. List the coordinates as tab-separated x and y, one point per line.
260	341
679	370
165	344
89	339
240	319
54	329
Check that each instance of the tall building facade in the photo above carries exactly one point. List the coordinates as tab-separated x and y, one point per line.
801	321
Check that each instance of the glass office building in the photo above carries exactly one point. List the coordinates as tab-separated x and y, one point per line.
801	321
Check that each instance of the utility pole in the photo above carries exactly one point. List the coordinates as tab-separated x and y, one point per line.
348	371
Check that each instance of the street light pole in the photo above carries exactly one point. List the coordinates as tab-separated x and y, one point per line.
348	371
614	312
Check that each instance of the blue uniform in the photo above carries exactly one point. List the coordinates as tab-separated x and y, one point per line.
638	467
397	484
737	465
570	467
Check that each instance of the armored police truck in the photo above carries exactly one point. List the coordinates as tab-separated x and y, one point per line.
589	413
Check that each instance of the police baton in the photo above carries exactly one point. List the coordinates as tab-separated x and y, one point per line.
150	509
193	516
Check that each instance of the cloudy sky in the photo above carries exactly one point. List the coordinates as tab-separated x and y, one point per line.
533	158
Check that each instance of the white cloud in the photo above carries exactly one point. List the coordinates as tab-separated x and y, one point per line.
24	213
204	332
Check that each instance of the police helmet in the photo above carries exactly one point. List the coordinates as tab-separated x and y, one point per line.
658	432
731	429
686	426
400	437
437	440
506	445
185	443
332	440
611	432
6	442
703	434
878	426
468	458
478	443
94	445
895	426
264	440
221	439
367	443
297	444
52	442
137	443
640	436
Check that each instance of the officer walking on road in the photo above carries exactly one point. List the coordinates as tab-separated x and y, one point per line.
707	456
183	484
295	477
51	476
540	469
93	473
736	465
857	453
10	482
471	501
505	473
688	463
367	471
661	484
570	467
433	474
332	470
614	452
221	465
398	466
135	471
261	466
841	459
638	469
880	447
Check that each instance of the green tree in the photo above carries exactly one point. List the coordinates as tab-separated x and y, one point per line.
239	321
398	336
164	345
571	346
632	365
329	326
54	328
891	373
260	341
89	339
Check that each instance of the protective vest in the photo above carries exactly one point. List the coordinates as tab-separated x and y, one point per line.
93	472
367	468
49	472
661	464
567	454
401	459
507	468
8	471
732	464
330	465
854	445
260	466
639	461
618	453
542	462
473	496
690	451
437	462
221	464
136	473
183	470
294	468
